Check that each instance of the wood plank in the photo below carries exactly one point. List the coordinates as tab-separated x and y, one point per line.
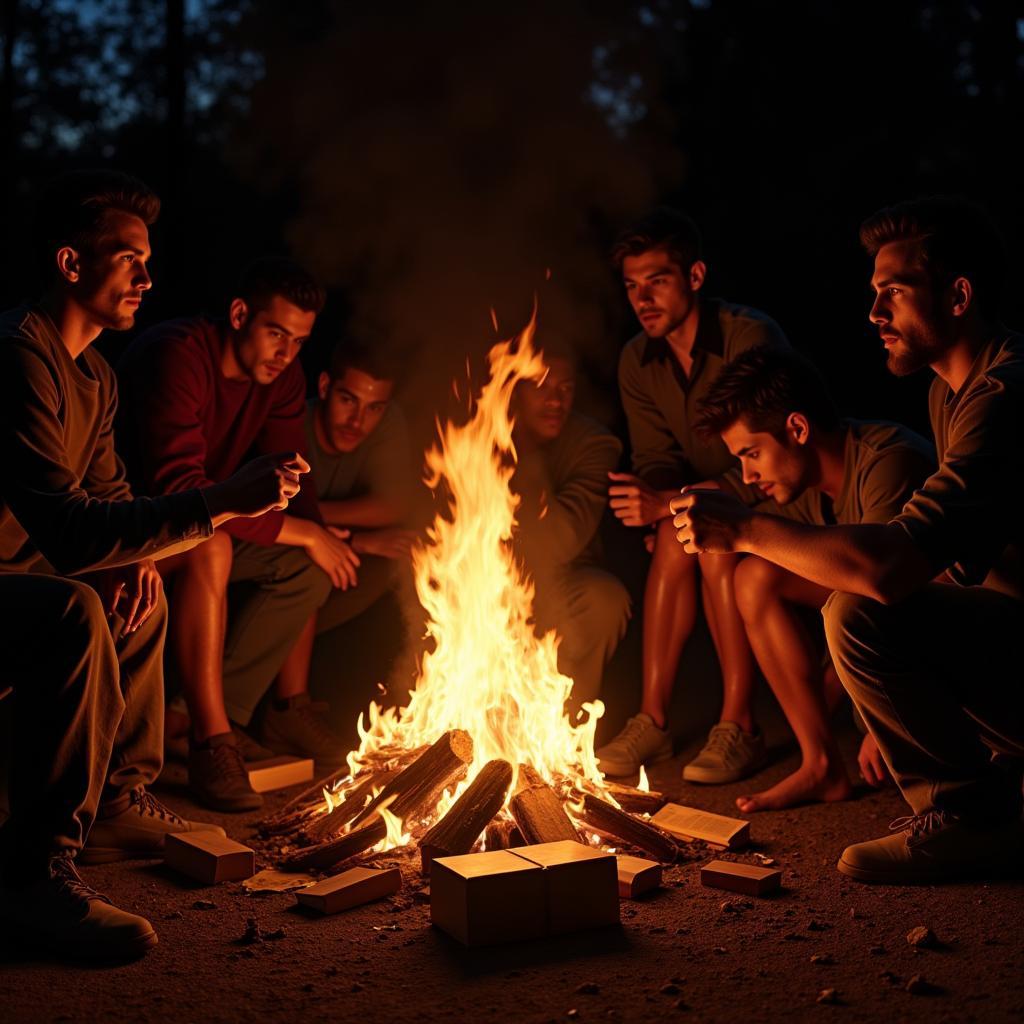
350	889
625	828
208	857
745	878
538	811
279	773
637	876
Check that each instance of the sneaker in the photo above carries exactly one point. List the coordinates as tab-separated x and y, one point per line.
217	777
137	831
729	755
59	912
299	729
936	846
249	747
640	742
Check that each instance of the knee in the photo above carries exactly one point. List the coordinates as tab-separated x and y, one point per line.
211	560
669	555
757	584
83	614
850	623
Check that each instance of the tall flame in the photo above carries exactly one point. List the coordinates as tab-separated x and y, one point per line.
488	673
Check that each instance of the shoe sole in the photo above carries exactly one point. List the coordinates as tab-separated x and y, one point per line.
110	854
708	778
636	768
875	877
95	952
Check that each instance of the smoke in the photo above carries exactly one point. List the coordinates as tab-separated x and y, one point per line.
444	162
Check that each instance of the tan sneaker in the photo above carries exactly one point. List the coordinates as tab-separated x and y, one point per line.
137	831
729	755
299	729
59	912
640	742
934	847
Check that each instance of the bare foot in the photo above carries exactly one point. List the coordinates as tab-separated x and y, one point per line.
804	786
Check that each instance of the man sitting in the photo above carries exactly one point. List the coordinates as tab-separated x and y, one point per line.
664	372
561	475
932	665
84	615
201	394
775	415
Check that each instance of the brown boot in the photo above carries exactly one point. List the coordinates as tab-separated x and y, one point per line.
217	776
296	726
138	830
59	912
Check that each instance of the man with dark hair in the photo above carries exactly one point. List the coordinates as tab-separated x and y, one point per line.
775	414
200	394
664	372
563	463
358	446
921	599
84	615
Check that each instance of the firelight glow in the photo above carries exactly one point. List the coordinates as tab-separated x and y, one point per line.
488	673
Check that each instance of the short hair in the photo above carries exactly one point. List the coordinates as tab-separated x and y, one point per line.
373	361
956	237
274	275
763	386
73	210
663	229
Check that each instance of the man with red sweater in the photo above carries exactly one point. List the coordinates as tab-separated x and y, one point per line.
199	396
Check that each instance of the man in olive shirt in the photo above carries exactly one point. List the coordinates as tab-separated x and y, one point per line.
664	372
563	463
362	473
932	665
774	413
84	614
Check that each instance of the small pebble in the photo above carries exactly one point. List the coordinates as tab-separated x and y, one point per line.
828	995
922	937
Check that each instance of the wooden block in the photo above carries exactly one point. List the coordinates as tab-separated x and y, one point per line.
691	823
209	857
279	773
744	878
350	889
486	898
637	876
581	884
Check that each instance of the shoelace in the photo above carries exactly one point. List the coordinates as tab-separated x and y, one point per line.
227	759
720	741
149	805
630	736
920	824
63	871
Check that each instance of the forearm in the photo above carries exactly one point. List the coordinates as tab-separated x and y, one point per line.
369	512
296	532
878	561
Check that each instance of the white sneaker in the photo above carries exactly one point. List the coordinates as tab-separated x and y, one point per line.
640	742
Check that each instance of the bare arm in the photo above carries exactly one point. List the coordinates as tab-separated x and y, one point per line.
370	511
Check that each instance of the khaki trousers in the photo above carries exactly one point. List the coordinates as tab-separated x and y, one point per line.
88	711
939	682
279	589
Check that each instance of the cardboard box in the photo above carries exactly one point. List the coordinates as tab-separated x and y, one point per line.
637	875
350	889
581	885
279	773
745	878
691	823
209	857
486	898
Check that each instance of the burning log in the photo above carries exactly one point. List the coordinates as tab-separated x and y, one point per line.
610	821
407	795
335	820
538	811
444	762
503	835
636	801
460	828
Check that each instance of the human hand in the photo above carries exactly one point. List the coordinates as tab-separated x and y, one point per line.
708	520
266	483
635	502
131	591
328	546
390	542
873	768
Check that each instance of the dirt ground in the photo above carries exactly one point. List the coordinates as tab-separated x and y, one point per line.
685	951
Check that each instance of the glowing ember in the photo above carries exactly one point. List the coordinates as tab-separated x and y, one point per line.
488	673
643	785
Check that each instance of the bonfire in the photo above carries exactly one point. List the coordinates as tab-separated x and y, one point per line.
484	754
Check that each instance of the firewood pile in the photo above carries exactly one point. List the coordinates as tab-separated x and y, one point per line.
409	784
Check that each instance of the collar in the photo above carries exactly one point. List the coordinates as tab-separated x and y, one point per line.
709	336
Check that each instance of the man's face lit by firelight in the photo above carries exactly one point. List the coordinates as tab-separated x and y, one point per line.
267	339
663	295
350	408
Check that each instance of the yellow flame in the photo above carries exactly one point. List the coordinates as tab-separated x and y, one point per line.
643	785
395	836
488	673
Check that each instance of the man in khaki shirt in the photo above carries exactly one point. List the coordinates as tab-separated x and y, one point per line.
933	665
776	417
664	372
